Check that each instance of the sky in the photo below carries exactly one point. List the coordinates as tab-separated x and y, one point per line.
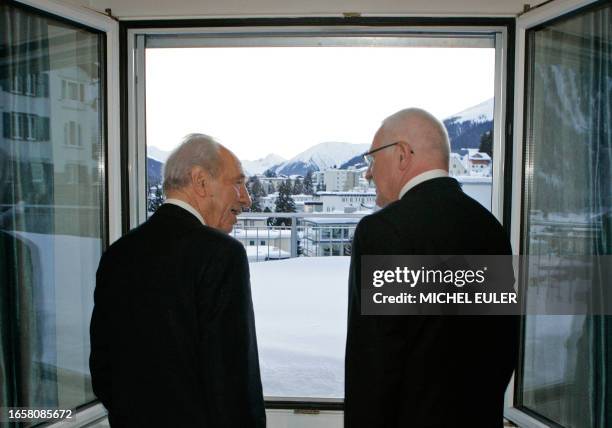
284	100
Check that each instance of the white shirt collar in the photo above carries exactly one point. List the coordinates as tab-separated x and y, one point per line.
427	175
187	207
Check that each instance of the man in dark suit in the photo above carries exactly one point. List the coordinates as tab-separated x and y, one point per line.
424	371
172	333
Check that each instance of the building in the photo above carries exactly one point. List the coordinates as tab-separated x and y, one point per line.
456	166
50	134
328	236
345	202
269	201
270	237
340	180
271	184
246	221
478	163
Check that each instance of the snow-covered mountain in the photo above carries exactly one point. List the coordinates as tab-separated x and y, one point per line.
464	130
260	165
482	112
320	157
466	127
158	154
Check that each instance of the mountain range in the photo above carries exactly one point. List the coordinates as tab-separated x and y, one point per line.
464	130
319	158
259	166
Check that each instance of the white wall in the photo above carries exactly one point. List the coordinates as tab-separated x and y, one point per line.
142	9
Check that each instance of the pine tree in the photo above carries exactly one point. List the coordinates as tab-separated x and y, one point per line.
255	205
256	191
255	187
298	187
284	203
156	199
486	143
307	184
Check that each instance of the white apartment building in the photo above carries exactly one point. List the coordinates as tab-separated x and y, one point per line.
269	201
341	180
346	202
456	166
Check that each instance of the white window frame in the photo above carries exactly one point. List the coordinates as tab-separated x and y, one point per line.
110	28
296	36
32	122
30	84
525	22
73	134
289	36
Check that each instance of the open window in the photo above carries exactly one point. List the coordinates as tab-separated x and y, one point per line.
299	105
59	199
562	207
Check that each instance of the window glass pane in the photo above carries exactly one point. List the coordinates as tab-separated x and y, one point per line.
300	118
52	223
568	208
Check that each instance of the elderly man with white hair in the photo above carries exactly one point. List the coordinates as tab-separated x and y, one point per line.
172	332
424	371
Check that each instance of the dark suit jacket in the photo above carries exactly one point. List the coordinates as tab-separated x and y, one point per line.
427	371
172	333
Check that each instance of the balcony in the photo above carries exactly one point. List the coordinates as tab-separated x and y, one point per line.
309	235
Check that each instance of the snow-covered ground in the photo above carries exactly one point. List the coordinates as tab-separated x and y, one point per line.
300	314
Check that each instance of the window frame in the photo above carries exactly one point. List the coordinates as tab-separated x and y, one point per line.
110	132
529	20
133	129
92	21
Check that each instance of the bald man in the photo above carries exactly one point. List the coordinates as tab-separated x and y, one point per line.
424	371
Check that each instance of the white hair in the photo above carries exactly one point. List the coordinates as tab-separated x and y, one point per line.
195	150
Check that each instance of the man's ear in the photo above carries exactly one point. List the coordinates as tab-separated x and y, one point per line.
405	156
200	181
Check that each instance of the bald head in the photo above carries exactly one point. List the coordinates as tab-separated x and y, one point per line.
424	133
408	143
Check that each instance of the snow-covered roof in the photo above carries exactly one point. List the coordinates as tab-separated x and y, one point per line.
263	251
472	179
328	220
349	193
261	233
480	156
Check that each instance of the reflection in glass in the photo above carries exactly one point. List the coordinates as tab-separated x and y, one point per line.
569	212
51	207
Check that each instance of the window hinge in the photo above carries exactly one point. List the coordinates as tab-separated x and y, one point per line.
109	13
